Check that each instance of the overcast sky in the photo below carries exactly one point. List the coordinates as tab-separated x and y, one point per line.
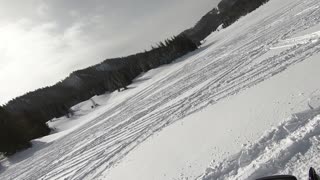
42	41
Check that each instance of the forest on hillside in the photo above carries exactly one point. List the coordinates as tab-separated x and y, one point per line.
24	118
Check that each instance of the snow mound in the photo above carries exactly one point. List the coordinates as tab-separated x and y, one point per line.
314	101
305	39
290	148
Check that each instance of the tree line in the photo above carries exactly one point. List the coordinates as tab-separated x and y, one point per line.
232	10
227	12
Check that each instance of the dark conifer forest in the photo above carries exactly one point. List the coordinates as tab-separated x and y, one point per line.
24	118
232	10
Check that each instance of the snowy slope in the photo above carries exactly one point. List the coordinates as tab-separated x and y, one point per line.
186	148
183	150
291	148
235	68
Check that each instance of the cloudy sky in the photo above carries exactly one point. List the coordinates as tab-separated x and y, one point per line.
42	41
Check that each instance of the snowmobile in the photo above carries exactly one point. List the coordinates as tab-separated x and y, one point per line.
312	176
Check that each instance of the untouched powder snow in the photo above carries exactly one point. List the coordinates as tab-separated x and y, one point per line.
175	119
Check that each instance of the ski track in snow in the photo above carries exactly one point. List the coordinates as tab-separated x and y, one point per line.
213	73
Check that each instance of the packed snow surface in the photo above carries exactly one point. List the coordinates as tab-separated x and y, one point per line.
241	82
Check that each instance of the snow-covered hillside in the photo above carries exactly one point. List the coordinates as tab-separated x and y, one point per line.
174	120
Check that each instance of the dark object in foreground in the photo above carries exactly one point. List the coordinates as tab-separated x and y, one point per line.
312	176
281	177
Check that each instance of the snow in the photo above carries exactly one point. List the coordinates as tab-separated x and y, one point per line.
84	112
290	148
220	130
201	137
175	121
309	38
